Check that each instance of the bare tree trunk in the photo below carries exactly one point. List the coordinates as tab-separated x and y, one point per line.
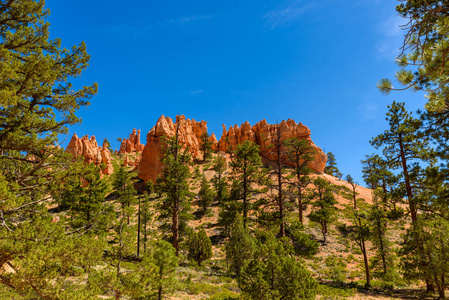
365	259
245	204
175	229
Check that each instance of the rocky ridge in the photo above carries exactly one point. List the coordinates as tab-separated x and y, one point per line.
92	153
190	131
264	134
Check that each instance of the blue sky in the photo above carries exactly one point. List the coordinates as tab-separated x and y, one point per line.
316	62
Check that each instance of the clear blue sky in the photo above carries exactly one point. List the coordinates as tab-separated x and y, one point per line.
316	62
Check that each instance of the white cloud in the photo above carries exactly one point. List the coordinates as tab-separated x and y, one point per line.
185	20
196	92
285	13
368	111
391	42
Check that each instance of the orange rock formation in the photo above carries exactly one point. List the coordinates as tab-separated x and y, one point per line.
263	134
190	131
189	135
92	153
132	144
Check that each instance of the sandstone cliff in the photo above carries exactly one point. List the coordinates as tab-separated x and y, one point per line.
92	153
189	135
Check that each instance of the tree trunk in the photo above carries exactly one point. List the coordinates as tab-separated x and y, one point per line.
138	231
300	212
175	229
245	208
354	195
408	186
365	259
382	250
281	205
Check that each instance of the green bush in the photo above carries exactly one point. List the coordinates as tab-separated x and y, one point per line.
330	292
225	295
303	243
200	246
274	274
335	268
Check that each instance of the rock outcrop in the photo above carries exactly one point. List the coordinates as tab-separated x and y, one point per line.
264	134
92	153
189	134
132	144
190	131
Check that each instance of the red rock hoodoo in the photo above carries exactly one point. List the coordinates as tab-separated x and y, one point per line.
263	134
189	135
190	131
92	153
132	144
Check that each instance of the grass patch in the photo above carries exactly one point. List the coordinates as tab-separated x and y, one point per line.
335	292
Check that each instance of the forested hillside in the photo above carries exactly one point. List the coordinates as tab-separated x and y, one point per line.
263	213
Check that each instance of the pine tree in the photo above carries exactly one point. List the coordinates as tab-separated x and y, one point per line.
300	153
276	202
383	262
331	165
220	182
247	172
359	232
124	187
166	260
173	183
353	193
424	52
37	103
401	144
206	194
324	212
205	146
240	246
84	197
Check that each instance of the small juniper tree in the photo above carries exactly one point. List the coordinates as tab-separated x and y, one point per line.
200	246
273	273
240	246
